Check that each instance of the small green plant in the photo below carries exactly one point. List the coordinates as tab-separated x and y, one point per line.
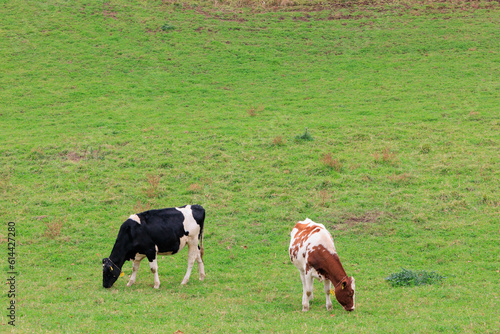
304	137
426	148
413	278
167	26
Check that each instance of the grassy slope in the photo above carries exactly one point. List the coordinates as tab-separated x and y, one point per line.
105	114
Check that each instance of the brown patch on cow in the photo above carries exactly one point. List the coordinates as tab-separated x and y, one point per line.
304	232
326	263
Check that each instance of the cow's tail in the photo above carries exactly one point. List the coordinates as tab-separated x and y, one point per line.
200	237
202	250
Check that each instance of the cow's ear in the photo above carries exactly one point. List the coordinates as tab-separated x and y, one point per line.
344	284
103	260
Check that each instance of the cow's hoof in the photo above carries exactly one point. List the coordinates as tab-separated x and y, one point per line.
184	282
329	307
156	286
305	308
130	283
202	277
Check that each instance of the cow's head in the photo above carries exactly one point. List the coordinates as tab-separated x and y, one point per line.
110	273
344	292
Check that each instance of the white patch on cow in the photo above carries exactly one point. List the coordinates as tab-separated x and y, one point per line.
154	269
135	218
191	226
153	266
184	240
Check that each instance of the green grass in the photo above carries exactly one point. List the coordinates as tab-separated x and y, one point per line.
111	108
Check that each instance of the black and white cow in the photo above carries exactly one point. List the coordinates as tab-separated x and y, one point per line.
156	232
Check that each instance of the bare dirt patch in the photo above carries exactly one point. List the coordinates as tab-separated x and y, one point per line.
108	11
73	156
367	217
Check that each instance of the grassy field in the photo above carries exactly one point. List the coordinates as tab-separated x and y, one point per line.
380	120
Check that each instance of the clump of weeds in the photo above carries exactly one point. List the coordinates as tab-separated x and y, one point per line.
53	228
332	163
400	178
386	157
278	141
152	189
194	188
414	278
304	137
252	112
426	148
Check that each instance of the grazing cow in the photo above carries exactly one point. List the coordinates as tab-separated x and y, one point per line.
156	232
312	251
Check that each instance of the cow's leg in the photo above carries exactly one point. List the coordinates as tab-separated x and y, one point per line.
201	265
154	269
328	286
311	290
135	268
193	254
307	287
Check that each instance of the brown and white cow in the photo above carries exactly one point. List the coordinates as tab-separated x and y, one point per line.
312	251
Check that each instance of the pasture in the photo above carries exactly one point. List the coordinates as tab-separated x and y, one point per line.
380	120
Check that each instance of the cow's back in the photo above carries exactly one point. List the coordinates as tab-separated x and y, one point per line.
161	217
173	218
304	236
169	228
